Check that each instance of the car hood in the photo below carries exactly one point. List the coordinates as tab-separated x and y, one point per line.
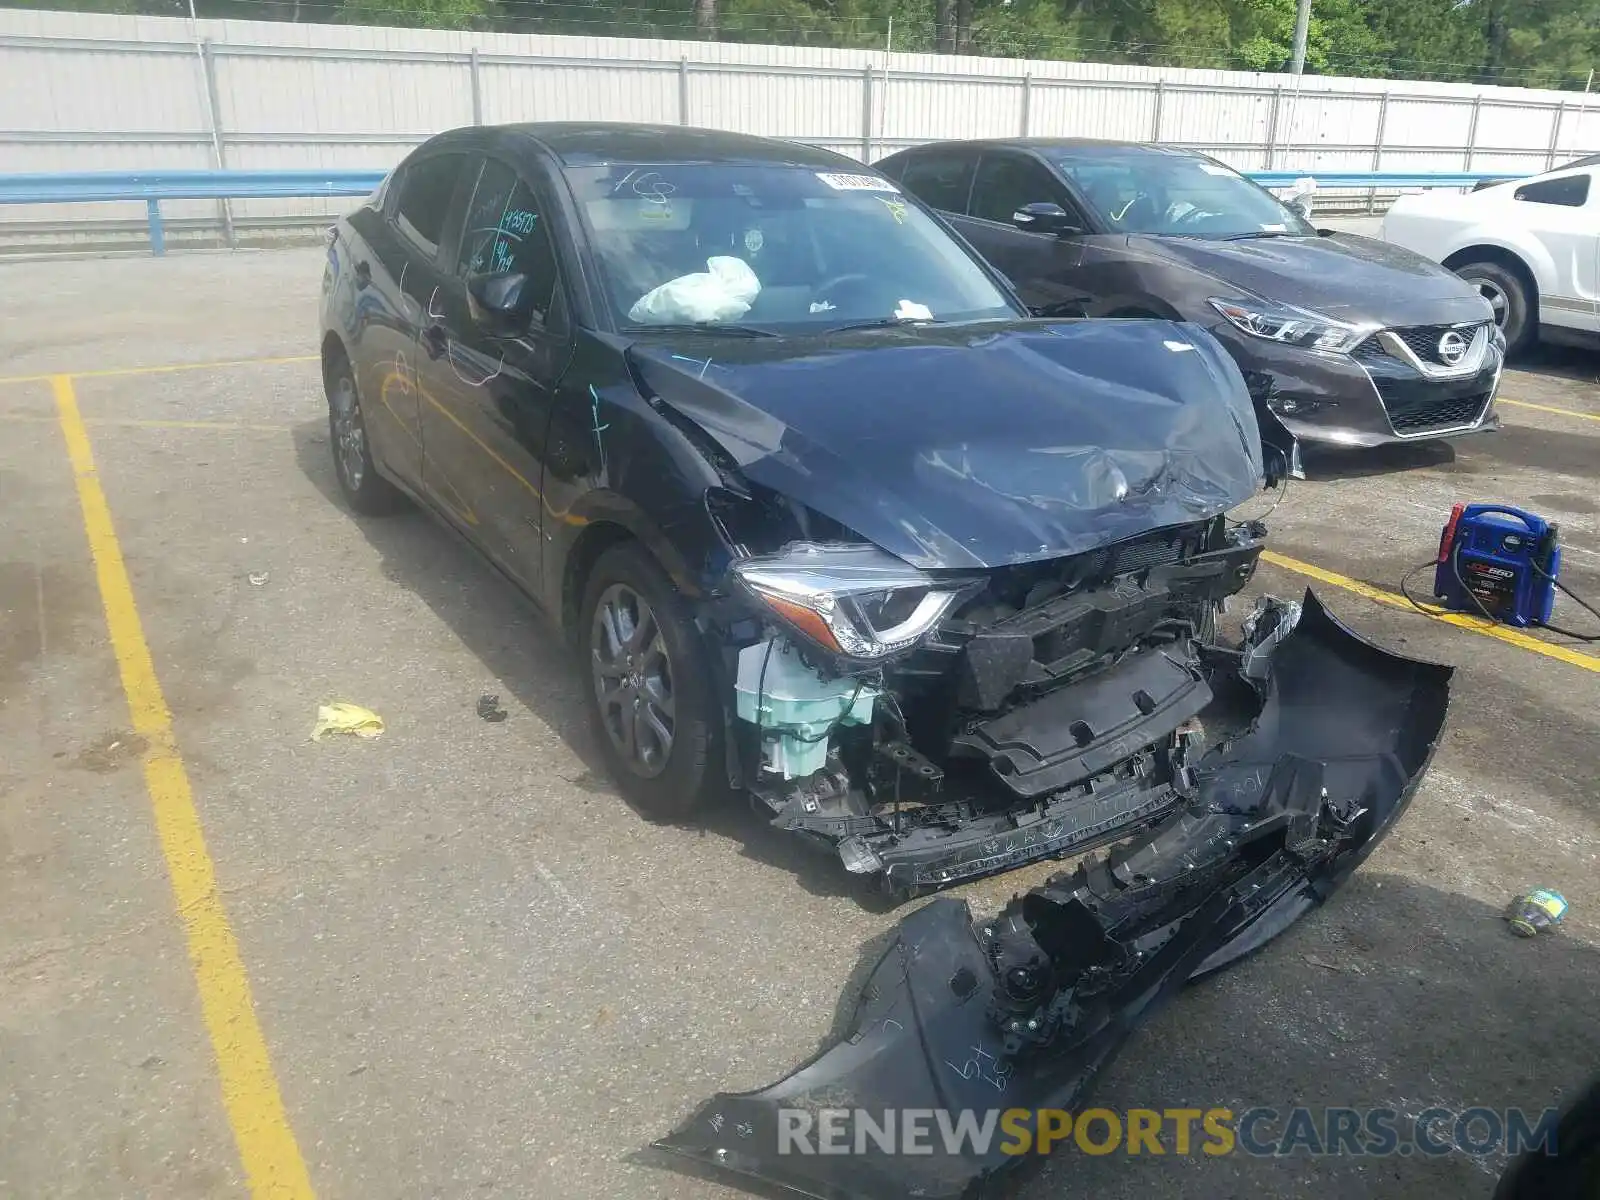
977	445
1350	278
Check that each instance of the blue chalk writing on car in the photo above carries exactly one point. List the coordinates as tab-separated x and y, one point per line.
518	221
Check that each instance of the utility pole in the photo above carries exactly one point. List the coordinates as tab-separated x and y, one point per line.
1302	26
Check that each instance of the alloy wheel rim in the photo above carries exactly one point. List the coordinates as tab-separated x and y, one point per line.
1496	298
349	433
633	680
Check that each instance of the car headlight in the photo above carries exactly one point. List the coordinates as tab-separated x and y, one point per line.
854	600
1291	326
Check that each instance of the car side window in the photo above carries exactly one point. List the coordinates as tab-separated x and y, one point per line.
505	233
1008	181
425	191
940	181
1571	191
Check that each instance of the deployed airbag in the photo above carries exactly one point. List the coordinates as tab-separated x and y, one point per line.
724	291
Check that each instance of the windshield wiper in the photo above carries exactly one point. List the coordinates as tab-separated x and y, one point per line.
703	327
1263	233
884	323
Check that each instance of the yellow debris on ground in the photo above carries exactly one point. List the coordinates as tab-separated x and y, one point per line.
340	717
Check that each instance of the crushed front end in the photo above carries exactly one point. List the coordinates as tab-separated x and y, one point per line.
931	727
1325	740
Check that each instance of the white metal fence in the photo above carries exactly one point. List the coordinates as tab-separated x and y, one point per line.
86	91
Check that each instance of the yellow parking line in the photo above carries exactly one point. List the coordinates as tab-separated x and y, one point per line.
1503	633
267	1146
165	369
1551	408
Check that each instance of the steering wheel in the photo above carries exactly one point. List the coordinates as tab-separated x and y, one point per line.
823	289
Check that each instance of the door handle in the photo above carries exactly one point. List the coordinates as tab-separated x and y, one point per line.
435	340
363	274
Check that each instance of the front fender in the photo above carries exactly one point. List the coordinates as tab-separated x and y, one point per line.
1528	248
666	532
619	462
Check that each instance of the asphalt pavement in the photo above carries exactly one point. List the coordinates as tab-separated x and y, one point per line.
450	962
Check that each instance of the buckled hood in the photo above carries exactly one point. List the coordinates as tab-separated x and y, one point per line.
978	445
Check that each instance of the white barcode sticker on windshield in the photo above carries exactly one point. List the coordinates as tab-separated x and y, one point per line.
1214	169
856	183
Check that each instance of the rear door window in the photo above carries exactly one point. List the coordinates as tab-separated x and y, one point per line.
426	188
940	180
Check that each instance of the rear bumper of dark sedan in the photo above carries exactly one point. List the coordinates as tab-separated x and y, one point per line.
1367	399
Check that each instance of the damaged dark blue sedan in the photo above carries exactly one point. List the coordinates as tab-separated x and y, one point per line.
829	520
832	524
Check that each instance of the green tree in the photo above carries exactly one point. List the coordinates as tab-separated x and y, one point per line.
423	14
1537	43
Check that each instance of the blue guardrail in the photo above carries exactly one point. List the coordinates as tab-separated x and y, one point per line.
155	186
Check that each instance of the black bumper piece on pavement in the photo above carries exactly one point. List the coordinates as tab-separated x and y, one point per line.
1022	1011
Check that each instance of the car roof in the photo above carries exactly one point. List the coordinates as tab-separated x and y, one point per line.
1076	144
581	143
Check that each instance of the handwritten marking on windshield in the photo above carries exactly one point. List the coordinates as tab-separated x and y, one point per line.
653	189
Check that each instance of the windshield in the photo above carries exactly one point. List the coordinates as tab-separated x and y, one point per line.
772	246
1184	195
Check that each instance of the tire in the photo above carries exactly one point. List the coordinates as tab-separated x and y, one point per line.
365	491
1507	294
647	676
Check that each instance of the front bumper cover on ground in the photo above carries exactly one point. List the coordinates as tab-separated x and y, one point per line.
1021	1012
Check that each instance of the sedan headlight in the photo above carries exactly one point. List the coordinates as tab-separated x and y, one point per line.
1291	326
853	600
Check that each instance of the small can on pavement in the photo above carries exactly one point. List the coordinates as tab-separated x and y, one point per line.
1535	911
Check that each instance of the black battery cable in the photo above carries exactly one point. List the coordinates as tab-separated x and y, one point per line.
1576	599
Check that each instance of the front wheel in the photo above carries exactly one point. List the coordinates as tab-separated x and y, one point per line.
364	489
1507	295
650	697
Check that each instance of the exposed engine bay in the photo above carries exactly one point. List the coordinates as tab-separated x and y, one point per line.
930	727
961	1020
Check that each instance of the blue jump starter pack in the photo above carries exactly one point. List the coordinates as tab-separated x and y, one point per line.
1501	561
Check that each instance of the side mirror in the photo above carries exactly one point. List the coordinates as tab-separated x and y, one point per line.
1044	217
501	304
